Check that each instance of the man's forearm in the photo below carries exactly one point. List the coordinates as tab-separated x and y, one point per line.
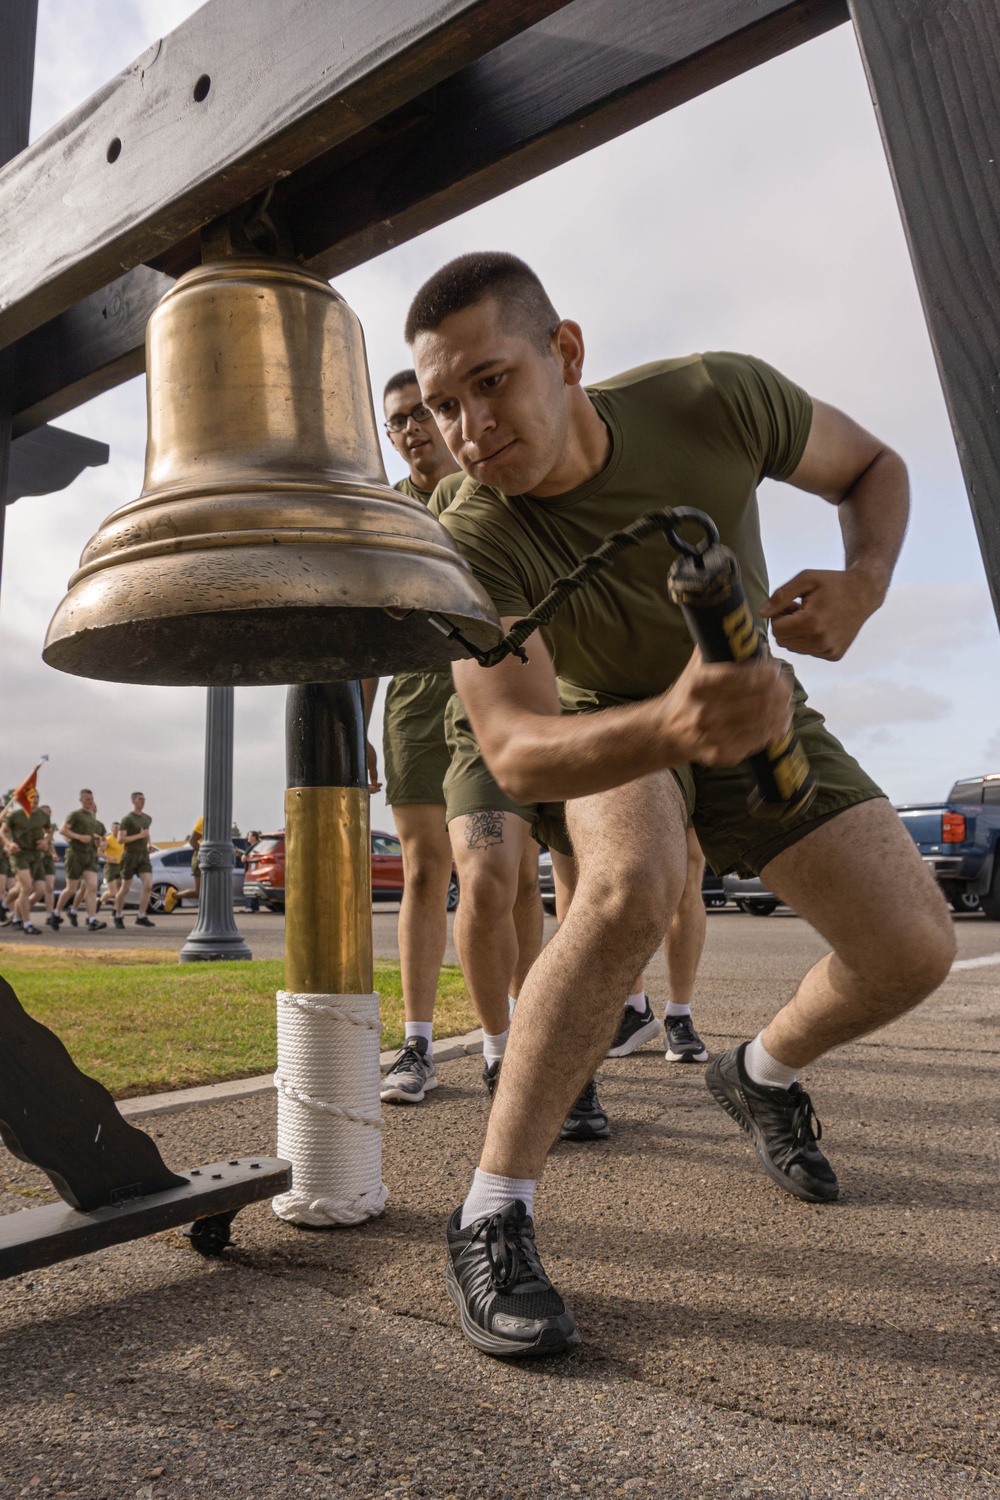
873	517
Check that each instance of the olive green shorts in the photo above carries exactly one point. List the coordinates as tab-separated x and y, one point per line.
731	837
112	871
469	786
79	859
26	859
48	865
415	754
139	866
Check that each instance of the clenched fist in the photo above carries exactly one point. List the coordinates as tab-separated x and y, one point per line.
717	714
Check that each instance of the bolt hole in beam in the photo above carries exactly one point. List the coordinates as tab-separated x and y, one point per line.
201	88
114	149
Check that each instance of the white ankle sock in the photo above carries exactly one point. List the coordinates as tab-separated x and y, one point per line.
678	1010
489	1194
766	1070
637	1001
424	1029
494	1047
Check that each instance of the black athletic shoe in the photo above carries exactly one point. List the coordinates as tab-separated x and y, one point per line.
491	1076
507	1304
144	922
633	1030
4	916
94	924
782	1125
71	916
32	929
586	1121
53	920
118	921
684	1045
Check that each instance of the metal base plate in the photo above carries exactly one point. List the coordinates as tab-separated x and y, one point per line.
37	1237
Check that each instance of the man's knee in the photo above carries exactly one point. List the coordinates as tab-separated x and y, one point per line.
912	959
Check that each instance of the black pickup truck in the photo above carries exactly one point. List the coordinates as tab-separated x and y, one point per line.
957	840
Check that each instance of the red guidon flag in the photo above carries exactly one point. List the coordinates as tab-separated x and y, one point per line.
27	791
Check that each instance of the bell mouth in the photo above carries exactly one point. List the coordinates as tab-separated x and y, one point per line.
257	648
269	614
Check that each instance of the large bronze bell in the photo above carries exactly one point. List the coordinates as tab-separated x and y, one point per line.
267	545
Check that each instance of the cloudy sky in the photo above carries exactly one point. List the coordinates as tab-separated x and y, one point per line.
759	218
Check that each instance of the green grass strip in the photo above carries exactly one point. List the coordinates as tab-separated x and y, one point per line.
142	1023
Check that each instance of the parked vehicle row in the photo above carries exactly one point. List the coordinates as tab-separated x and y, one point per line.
264	879
957	840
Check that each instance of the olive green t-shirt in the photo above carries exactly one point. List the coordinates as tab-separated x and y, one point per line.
81	821
703	431
27	829
436	501
133	823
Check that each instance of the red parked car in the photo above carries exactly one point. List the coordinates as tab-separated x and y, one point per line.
265	872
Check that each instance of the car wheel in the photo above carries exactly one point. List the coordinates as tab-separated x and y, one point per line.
549	905
714	901
451	901
761	908
965	901
157	898
990	903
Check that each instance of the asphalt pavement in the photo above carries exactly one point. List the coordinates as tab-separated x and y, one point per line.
737	1344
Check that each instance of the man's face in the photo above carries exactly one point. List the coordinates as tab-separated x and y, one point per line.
501	404
87	802
138	803
420	442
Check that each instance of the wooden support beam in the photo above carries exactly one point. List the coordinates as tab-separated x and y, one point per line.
88	349
572	82
243	92
539	99
932	69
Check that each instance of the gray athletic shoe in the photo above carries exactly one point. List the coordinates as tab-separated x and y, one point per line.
411	1075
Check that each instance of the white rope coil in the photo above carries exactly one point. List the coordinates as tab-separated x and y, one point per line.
329	1120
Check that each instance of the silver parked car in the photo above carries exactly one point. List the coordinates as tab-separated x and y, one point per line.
172	869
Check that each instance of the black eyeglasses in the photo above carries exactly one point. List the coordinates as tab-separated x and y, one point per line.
399	419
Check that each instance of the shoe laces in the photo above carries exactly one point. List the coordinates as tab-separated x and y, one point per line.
806	1128
588	1099
408	1061
681	1028
510	1259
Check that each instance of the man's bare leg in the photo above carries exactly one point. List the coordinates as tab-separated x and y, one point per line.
423	933
529	918
489	848
423	915
630	854
893	944
684	946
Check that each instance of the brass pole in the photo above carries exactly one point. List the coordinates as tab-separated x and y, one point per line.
328	905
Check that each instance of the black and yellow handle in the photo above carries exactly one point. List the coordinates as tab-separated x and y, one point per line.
707	586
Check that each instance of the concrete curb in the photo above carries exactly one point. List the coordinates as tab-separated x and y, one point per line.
447	1050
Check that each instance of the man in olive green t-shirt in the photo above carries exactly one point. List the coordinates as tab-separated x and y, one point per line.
84	835
134	838
650	734
26	839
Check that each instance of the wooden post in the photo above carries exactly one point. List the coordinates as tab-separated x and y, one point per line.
17	70
932	70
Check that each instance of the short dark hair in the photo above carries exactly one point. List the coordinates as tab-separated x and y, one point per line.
472	278
399	382
86	792
138	794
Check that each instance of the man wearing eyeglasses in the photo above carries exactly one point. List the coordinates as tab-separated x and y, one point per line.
418	755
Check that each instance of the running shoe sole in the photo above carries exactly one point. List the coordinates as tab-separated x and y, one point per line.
686	1057
397	1096
549	1341
723	1095
644	1034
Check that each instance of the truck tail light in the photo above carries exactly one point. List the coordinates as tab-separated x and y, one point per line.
952	828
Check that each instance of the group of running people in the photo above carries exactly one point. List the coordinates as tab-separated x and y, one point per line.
27	864
624	752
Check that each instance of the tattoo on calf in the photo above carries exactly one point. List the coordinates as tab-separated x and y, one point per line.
484	829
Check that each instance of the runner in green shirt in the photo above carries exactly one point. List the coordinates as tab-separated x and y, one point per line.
25	833
654	734
134	837
84	835
47	850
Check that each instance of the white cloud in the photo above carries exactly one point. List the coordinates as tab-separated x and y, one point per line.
873	704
